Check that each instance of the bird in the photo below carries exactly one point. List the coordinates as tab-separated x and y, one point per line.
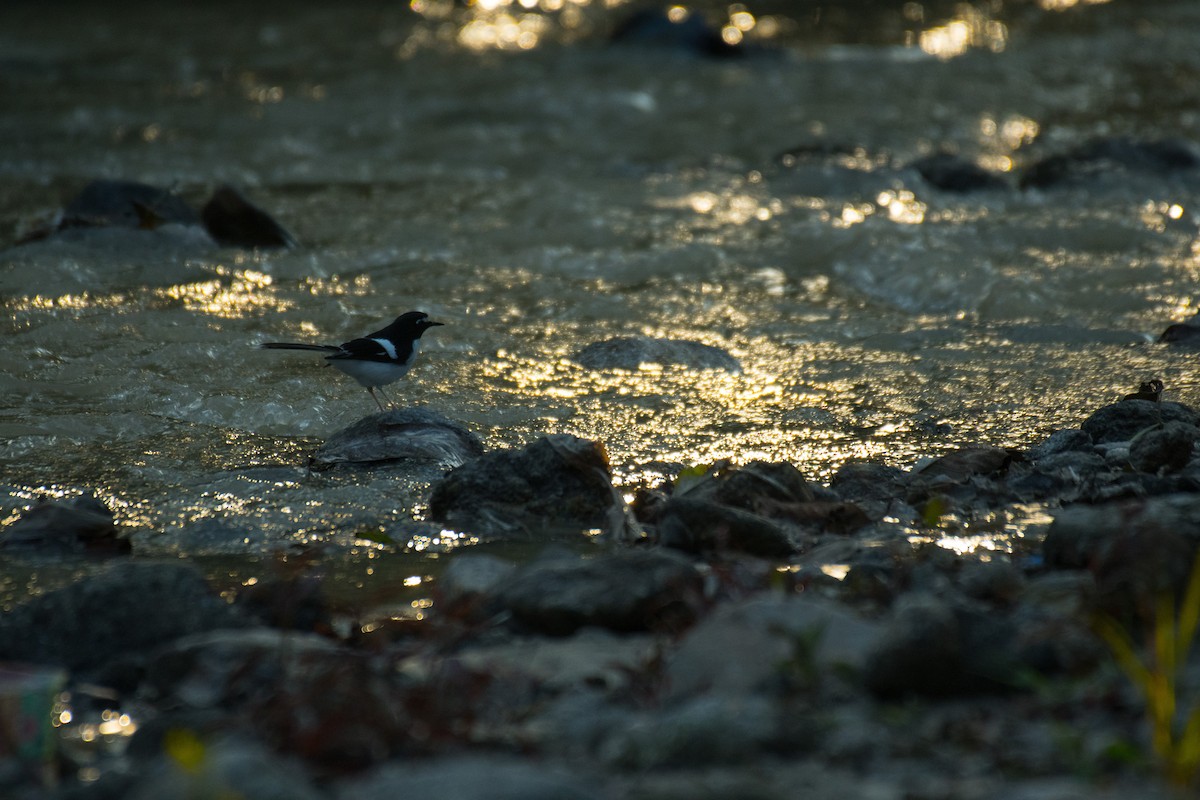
1148	390
376	359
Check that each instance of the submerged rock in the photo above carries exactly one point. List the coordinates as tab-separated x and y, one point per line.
408	433
951	173
630	352
126	204
228	218
129	607
79	525
689	33
558	482
630	590
1107	155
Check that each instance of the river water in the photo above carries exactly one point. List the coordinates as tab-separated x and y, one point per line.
501	166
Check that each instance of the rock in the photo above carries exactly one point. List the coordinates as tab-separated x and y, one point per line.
1136	549
629	590
950	173
996	581
125	204
1104	156
292	602
591	658
720	729
687	34
630	352
233	221
232	766
931	647
78	525
130	606
757	485
1121	421
407	433
1167	447
474	777
227	218
771	644
867	482
310	697
465	587
700	526
1067	440
967	462
1183	334
558	482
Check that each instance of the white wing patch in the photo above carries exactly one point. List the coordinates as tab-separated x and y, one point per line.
387	346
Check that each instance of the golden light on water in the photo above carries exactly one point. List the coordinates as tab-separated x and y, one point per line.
971	29
1065	5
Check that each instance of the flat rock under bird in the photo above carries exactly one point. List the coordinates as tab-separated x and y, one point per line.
376	359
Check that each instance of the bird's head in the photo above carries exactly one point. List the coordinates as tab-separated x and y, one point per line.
413	323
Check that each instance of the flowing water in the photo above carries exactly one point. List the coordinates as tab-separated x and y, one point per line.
499	165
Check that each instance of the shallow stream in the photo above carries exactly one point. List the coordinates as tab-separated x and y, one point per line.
501	166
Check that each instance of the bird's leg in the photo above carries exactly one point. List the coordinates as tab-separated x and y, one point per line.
391	402
376	399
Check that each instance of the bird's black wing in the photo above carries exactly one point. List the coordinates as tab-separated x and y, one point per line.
370	350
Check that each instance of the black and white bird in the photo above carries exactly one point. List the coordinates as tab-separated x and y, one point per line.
376	359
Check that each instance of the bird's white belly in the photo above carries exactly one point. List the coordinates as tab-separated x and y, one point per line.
370	373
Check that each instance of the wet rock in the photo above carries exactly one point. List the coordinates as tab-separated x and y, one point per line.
753	487
702	526
227	218
963	464
483	777
951	173
407	433
1120	422
686	34
126	204
233	221
128	607
867	482
630	352
234	766
78	525
559	482
1104	156
1167	448
771	644
630	590
1067	440
1183	334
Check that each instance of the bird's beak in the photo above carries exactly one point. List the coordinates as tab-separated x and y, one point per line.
431	323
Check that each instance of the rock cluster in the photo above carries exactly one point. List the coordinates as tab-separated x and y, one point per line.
736	631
